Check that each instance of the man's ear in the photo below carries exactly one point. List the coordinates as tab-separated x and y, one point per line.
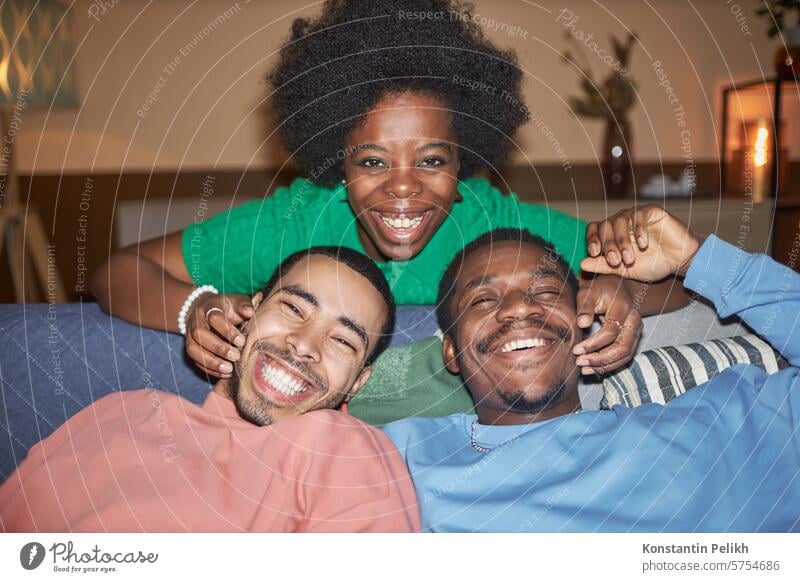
449	352
257	299
362	378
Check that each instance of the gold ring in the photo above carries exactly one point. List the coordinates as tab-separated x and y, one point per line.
614	321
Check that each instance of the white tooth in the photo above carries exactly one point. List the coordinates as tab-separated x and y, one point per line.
278	380
401	222
283	381
522	344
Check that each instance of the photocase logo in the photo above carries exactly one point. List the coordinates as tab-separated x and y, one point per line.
31	555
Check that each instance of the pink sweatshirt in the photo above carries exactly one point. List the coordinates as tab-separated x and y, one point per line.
152	461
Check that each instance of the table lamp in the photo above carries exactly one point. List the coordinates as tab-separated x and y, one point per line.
35	52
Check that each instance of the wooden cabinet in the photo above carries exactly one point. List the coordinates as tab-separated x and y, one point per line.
747	225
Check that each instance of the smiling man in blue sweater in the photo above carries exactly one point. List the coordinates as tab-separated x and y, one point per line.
725	456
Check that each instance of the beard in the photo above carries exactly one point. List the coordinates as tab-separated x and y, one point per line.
250	411
255	409
520	402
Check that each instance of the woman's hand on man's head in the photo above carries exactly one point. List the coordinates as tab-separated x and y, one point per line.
615	343
213	339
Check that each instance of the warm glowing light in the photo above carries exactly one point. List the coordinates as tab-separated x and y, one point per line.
760	147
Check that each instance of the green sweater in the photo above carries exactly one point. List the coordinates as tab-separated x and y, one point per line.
238	250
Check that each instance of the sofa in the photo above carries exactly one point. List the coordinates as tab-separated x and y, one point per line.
58	358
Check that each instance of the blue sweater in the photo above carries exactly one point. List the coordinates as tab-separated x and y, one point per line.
725	456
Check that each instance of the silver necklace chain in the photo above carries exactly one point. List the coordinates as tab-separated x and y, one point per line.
474	439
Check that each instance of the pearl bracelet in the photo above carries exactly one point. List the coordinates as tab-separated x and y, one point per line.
188	303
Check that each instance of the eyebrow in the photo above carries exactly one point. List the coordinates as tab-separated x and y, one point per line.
478	282
489	279
427	146
368	146
356	328
433	146
298	291
548	273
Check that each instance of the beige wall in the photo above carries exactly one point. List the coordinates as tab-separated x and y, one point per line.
208	108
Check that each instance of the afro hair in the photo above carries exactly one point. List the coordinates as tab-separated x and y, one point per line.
335	68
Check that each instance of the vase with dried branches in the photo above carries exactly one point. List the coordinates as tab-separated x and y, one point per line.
777	13
610	100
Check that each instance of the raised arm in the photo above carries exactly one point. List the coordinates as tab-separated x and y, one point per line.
148	283
765	294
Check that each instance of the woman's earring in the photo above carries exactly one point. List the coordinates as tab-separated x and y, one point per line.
344	181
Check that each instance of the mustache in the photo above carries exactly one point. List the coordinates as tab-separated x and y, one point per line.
564	334
265	347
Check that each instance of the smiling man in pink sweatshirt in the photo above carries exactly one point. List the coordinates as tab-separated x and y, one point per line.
267	451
